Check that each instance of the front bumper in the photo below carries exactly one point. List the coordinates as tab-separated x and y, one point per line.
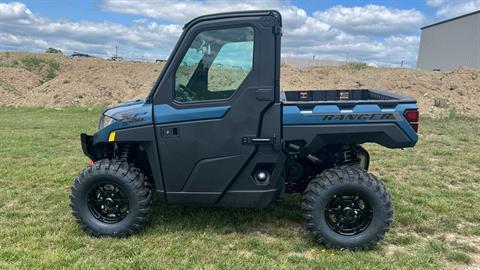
87	146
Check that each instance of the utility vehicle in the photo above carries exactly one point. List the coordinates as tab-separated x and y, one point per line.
217	131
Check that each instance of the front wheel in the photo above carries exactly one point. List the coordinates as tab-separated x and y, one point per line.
347	207
111	198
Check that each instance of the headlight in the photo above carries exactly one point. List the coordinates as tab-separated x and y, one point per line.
105	121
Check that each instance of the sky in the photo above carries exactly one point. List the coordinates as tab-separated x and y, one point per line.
381	33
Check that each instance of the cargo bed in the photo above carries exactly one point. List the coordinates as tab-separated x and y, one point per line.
351	116
344	96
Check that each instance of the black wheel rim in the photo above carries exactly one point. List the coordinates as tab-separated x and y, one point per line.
348	214
108	203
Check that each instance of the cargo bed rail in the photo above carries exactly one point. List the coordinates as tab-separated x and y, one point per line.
343	97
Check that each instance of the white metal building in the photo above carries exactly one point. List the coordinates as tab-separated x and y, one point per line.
451	43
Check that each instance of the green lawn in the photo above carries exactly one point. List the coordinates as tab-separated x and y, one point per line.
435	188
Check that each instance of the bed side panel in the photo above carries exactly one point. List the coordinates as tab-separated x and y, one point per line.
329	124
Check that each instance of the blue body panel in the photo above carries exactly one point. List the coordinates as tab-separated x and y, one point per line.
292	115
127	115
137	113
166	114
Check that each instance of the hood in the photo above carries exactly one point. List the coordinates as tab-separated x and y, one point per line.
131	113
112	110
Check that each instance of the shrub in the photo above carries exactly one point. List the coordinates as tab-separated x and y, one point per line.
47	68
356	65
31	62
53	50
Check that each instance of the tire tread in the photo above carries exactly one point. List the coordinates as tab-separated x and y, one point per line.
133	177
337	176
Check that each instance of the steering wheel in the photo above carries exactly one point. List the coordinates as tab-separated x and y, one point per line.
188	93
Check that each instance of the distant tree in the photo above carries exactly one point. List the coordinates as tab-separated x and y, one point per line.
53	50
356	65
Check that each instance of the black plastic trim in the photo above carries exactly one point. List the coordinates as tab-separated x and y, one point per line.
318	136
145	136
234	14
87	146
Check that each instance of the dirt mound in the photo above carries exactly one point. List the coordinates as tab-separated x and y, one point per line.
95	81
14	82
79	81
53	80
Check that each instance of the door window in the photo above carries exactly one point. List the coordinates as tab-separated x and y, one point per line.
215	65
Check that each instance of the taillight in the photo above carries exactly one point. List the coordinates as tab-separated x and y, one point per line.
412	117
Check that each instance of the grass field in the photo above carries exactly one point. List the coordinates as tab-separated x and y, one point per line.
435	188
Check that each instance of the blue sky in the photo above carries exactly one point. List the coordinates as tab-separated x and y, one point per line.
91	9
381	33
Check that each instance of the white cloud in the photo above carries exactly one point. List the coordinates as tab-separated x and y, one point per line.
402	40
310	32
27	30
10	40
372	19
337	30
435	3
449	9
182	11
375	34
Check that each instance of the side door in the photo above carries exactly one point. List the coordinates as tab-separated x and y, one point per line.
215	90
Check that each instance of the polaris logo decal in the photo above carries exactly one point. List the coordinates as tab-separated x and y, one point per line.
359	117
129	119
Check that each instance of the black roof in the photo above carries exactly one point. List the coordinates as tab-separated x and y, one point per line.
233	14
452	19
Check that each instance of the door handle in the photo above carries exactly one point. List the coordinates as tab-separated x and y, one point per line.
257	140
169	132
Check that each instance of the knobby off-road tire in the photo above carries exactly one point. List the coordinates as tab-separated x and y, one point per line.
133	189
327	188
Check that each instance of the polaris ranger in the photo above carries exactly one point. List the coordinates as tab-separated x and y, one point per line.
216	130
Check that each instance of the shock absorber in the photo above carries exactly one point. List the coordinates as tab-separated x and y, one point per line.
125	152
337	155
346	155
353	155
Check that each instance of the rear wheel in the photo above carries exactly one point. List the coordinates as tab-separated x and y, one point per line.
111	198
347	207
